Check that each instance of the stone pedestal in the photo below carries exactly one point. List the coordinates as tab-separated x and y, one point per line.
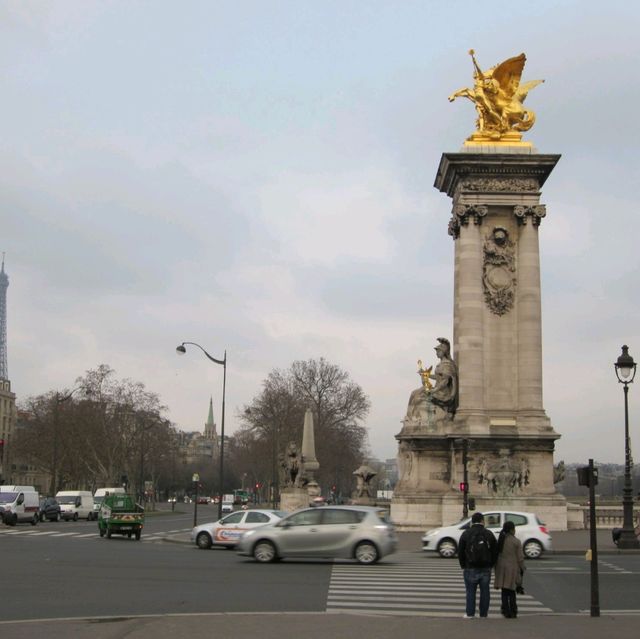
497	346
293	498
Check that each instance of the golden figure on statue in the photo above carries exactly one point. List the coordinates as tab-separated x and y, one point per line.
498	97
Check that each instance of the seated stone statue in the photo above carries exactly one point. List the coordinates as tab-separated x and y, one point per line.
444	394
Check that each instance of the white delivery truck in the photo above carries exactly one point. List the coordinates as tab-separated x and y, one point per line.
19	503
227	503
75	504
99	495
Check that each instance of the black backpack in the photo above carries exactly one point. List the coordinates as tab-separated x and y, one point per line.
478	551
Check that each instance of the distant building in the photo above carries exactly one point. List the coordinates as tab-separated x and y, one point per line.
195	446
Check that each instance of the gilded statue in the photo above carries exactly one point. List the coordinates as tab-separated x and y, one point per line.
498	96
425	375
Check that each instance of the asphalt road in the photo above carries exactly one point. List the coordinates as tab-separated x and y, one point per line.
64	570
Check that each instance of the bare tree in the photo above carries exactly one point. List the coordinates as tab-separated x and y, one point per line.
276	417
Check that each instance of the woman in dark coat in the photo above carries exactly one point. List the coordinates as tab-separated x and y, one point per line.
509	568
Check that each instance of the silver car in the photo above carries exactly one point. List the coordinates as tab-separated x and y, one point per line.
530	531
363	533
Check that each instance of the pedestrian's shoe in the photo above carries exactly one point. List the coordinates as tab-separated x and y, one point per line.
468	616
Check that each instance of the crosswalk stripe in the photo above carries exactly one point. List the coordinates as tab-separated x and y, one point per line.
406	584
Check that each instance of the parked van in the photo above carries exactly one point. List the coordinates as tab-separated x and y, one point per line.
99	495
76	504
19	503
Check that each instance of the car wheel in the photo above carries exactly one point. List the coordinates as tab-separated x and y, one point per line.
447	548
34	520
56	518
75	516
138	535
108	533
532	549
264	551
14	520
203	541
366	553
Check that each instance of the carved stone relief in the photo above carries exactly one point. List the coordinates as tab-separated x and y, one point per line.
500	184
536	213
461	215
499	271
504	476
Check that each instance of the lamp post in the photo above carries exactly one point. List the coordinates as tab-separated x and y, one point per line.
59	399
181	350
625	369
464	443
196	481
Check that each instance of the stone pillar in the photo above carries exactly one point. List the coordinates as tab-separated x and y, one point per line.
468	312
529	309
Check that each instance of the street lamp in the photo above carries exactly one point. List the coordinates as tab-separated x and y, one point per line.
464	444
625	369
59	399
181	350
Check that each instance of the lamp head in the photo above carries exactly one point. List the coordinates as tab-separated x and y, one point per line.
181	350
625	366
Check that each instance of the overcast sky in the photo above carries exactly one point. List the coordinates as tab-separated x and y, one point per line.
258	177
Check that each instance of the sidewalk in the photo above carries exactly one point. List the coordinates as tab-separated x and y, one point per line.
324	626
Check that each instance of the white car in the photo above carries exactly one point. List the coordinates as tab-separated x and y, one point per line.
529	530
228	530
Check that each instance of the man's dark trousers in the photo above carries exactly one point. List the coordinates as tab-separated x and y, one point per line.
474	577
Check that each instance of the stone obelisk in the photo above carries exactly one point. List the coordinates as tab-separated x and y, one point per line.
499	429
309	462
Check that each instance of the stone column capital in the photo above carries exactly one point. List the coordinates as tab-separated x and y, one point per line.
536	213
461	214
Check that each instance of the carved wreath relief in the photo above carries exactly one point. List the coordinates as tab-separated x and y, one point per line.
499	271
504	476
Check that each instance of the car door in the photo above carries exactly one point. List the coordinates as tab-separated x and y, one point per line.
493	522
338	531
298	534
229	529
523	530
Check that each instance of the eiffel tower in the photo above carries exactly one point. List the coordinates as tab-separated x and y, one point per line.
4	285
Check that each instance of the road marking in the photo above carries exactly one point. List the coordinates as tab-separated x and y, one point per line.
65	534
409	585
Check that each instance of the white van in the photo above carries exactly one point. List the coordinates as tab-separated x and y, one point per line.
19	503
100	494
75	504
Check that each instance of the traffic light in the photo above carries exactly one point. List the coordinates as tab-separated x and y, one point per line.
463	487
584	476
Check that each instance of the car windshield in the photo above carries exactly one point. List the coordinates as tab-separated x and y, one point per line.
7	498
70	499
280	513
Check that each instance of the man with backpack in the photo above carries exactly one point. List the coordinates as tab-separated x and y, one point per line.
477	553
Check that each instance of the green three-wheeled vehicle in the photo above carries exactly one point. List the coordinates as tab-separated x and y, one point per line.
120	515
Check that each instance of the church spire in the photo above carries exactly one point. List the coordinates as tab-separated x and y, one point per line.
210	426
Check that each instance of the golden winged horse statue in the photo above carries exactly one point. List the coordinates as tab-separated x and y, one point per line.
498	97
